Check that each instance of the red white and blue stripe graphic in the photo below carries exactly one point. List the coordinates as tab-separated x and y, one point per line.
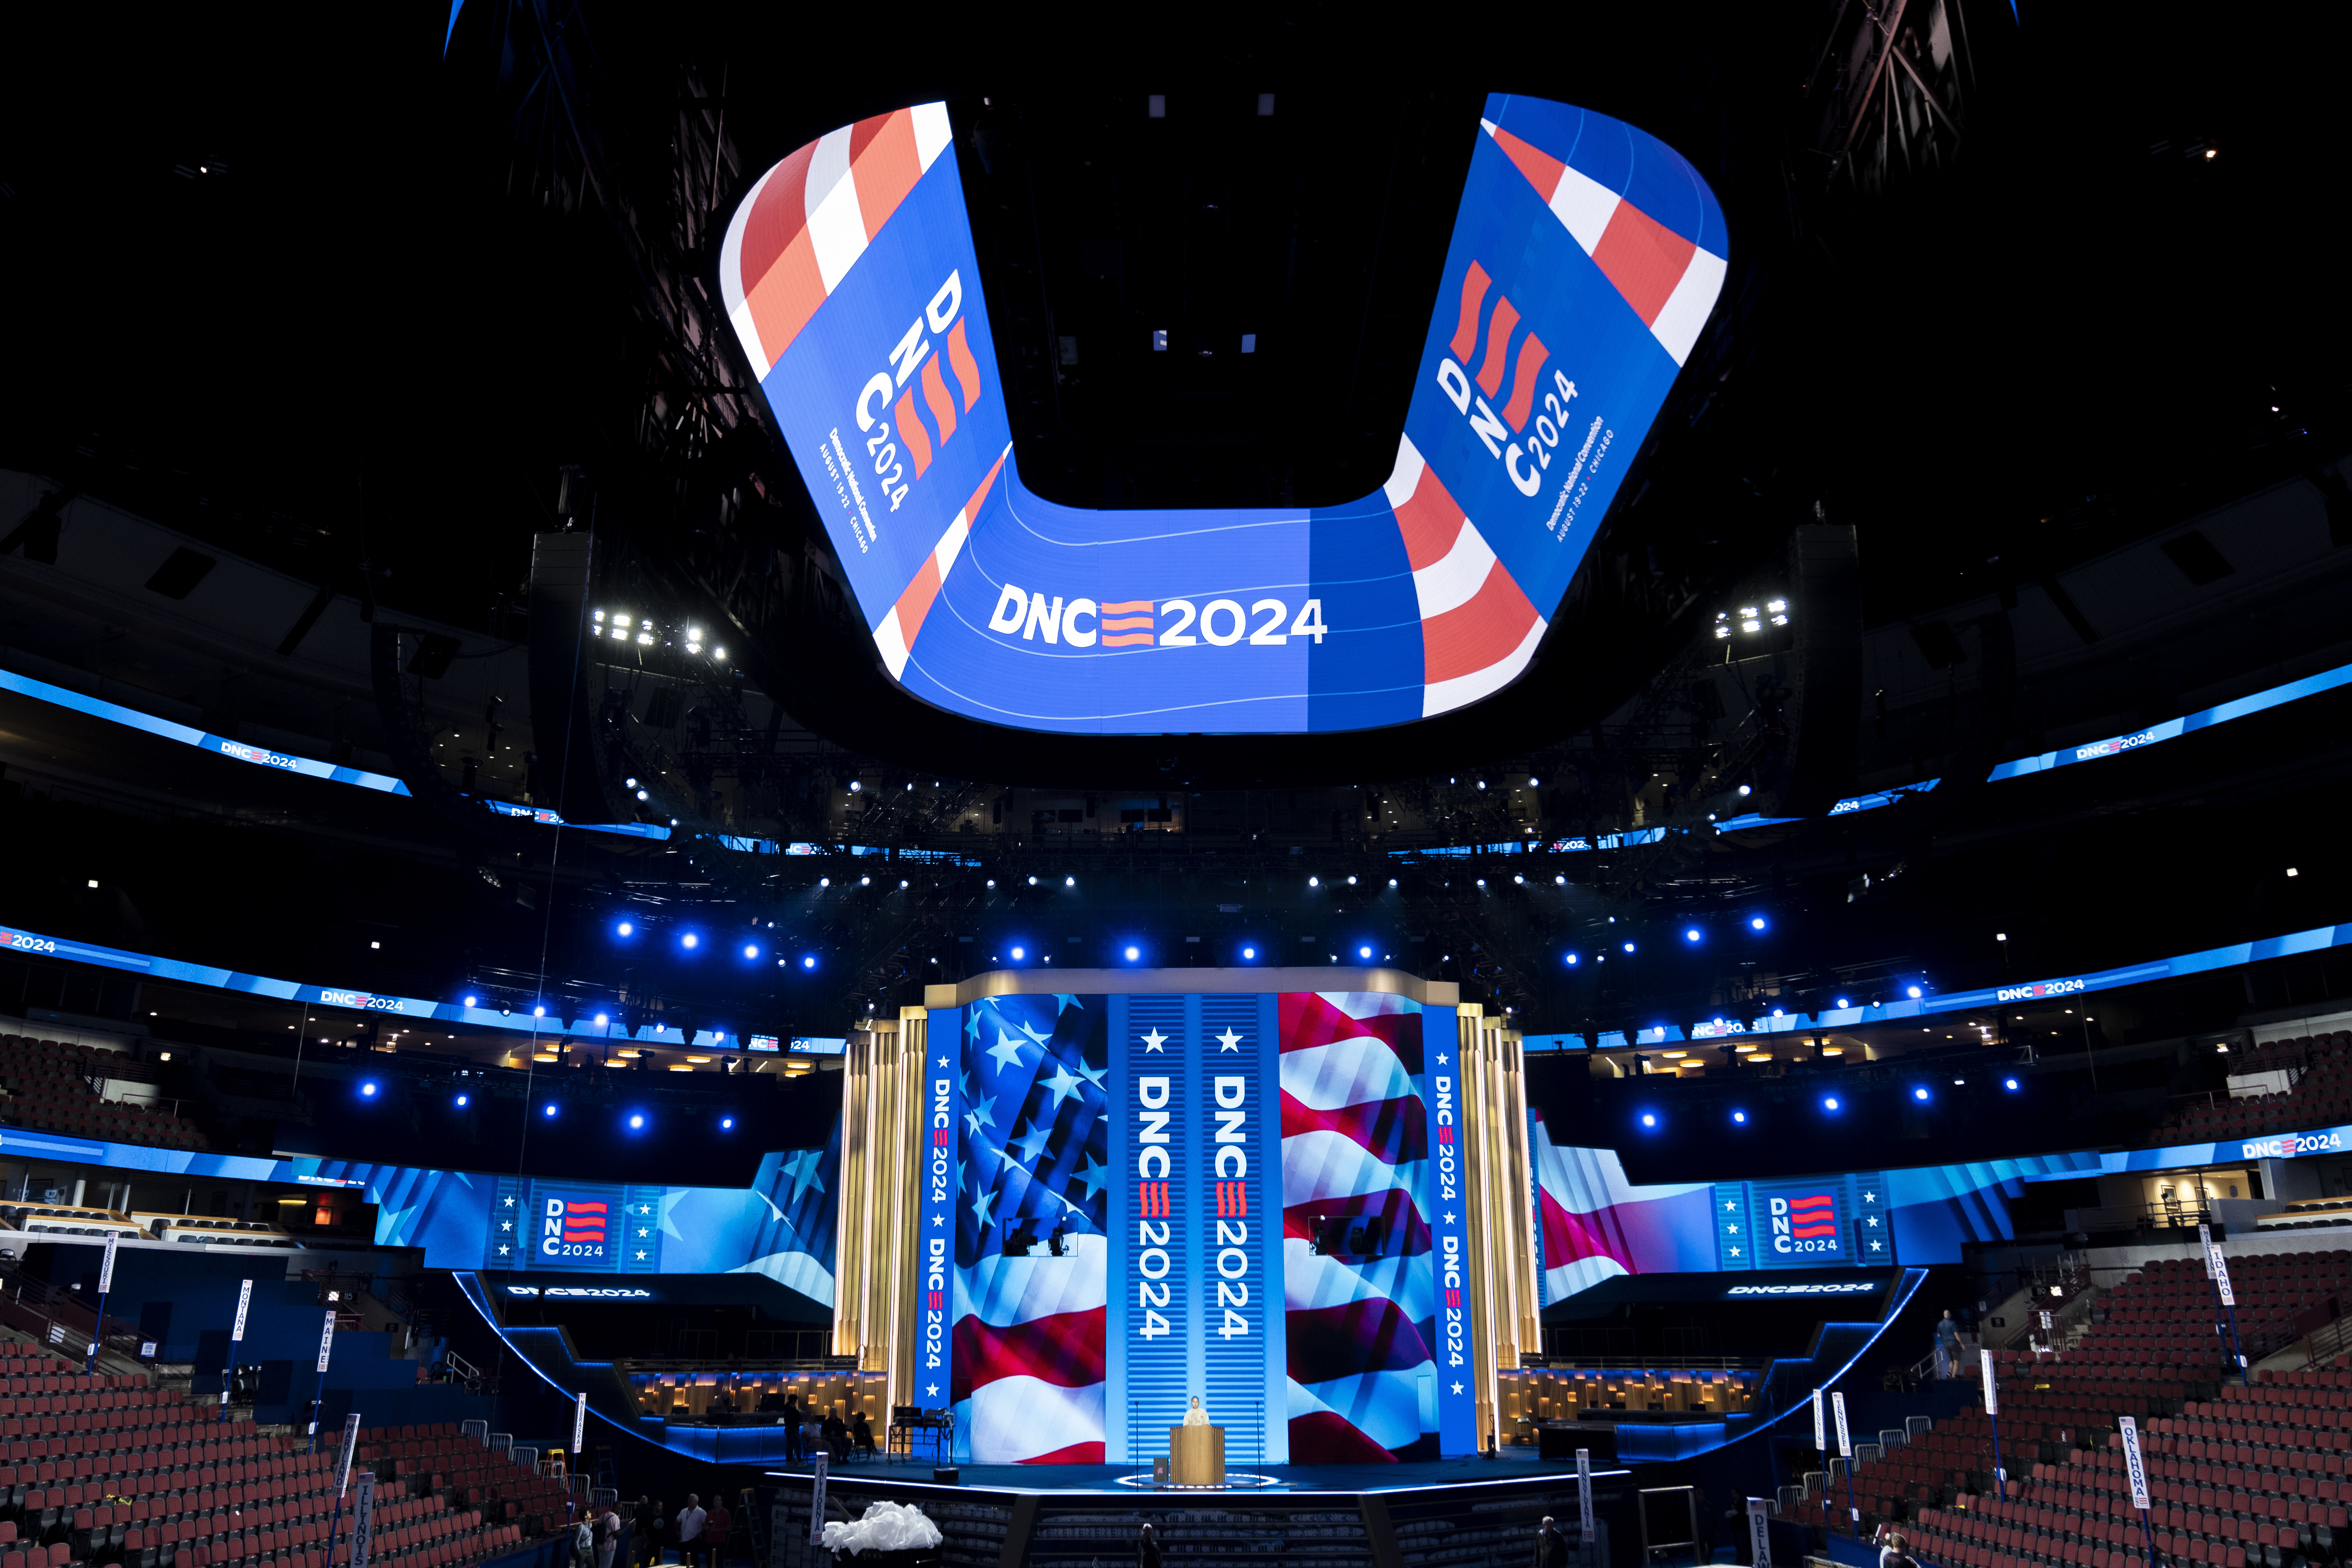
811	217
1362	1376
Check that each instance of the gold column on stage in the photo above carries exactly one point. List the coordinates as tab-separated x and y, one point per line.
1498	1188
881	1156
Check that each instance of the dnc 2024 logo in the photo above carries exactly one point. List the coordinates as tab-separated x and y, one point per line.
579	1229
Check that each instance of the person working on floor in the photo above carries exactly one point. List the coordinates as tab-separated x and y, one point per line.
690	1521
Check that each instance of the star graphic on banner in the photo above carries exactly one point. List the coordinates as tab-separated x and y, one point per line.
1007	1052
506	1225
1441	1059
1093	1075
1870	1197
1228	1040
1875	1247
1728	1206
1040	1037
1457	1388
1096	1176
932	1389
504	1250
1033	1143
1154	1040
981	1115
979	1209
1062	1085
943	1061
1731	1230
641	1255
803	1166
1873	1222
1734	1252
1449	1219
508	1201
938	1220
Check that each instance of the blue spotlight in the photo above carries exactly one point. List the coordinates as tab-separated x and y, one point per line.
624	929
1019	953
1757	923
463	1101
1740	1117
1133	952
1920	1092
1912	992
1691	935
550	1109
749	950
1249	953
1571	960
1829	1102
1843	1002
808	961
2009	1083
636	1120
1363	953
690	939
471	1000
539	1011
1629	947
367	1090
603	1019
1649	1119
726	1124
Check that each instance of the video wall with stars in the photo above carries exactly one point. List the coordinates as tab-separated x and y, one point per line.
1246	1198
1592	1224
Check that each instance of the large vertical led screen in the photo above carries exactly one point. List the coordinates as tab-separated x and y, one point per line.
1585	258
1030	1207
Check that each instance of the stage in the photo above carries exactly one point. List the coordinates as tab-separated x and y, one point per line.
1467	1513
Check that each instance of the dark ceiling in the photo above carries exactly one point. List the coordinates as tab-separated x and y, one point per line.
330	298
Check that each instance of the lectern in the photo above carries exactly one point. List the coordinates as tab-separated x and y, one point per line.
1196	1456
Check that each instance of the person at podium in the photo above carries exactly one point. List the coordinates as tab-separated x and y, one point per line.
1196	1416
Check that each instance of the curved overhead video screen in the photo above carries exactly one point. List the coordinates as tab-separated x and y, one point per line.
1585	258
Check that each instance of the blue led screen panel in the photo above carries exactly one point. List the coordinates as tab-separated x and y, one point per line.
1586	257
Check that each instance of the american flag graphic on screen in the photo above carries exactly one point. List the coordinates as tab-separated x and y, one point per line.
1355	1143
1032	1155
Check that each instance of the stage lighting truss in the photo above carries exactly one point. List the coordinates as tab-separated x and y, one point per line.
1750	620
633	630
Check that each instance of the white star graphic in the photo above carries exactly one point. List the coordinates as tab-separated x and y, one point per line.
1228	1040
938	1220
1457	1388
1007	1052
1154	1040
509	1202
641	1256
1873	1222
1449	1219
1095	1174
1731	1230
943	1061
1728	1206
1062	1084
503	1250
932	1389
1870	1197
1033	1143
980	1208
983	1114
1734	1252
1442	1059
506	1225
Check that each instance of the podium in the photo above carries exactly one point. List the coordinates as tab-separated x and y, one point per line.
1196	1456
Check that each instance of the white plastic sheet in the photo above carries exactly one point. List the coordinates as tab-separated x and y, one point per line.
887	1527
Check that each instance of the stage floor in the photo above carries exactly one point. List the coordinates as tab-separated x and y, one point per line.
1120	1480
